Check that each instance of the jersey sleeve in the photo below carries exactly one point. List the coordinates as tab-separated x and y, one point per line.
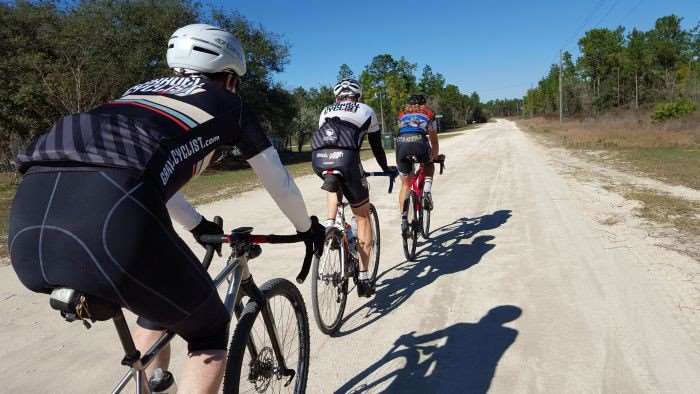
251	138
321	118
374	125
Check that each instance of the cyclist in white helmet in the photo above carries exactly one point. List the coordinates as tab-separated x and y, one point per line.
94	209
336	146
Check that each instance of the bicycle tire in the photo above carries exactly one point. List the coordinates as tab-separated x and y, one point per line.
376	248
237	350
334	237
409	248
425	220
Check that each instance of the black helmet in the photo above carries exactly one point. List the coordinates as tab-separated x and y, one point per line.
416	99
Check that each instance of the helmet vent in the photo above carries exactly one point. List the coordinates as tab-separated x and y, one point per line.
205	50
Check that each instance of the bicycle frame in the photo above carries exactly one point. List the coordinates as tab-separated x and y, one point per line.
417	182
238	277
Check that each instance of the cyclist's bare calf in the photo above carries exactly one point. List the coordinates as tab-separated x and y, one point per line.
332	205
364	234
203	372
144	339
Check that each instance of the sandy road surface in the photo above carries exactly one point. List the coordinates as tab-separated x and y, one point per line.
520	290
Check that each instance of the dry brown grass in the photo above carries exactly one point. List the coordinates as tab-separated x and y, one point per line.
669	152
663	208
614	132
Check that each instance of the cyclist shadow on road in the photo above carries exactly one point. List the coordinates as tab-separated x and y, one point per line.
461	358
443	255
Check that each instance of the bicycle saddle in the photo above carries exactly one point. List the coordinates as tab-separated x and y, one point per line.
75	305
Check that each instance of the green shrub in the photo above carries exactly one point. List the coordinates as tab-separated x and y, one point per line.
675	110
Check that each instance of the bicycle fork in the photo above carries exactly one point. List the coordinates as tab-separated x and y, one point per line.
243	280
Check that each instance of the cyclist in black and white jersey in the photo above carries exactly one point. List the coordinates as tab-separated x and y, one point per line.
336	146
93	211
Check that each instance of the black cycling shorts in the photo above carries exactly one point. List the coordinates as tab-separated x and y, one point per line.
346	161
107	233
411	148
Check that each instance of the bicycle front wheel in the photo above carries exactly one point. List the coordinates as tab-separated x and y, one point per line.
376	244
329	286
252	365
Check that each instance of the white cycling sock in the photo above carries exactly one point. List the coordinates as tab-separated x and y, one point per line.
428	185
364	275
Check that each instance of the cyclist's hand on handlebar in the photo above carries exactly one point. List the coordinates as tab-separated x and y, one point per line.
314	236
206	227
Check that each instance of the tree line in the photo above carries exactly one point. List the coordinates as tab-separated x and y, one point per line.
387	83
619	69
65	57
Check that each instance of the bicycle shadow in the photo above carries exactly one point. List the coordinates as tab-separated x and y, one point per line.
461	358
443	255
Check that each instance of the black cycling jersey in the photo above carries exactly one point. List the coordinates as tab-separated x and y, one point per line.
167	128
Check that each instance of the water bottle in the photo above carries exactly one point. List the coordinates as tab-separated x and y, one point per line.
162	382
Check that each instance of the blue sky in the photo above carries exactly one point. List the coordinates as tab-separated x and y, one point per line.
498	48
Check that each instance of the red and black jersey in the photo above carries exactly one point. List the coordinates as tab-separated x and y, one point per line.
167	128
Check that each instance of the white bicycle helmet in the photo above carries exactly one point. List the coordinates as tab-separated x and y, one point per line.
347	87
205	49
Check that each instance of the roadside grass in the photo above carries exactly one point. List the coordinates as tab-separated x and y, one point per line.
7	193
670	153
212	185
664	208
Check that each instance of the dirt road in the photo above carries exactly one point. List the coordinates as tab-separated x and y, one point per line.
521	289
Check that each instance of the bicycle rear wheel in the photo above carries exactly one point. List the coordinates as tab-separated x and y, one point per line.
259	374
410	238
329	286
376	244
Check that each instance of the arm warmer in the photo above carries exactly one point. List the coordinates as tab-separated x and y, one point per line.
277	181
375	142
183	212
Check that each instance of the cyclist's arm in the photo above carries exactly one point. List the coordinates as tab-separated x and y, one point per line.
433	137
281	186
183	212
374	135
375	142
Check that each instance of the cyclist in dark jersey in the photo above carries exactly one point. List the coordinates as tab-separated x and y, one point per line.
417	141
93	211
336	147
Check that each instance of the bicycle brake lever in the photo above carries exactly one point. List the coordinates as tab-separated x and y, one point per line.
306	265
291	373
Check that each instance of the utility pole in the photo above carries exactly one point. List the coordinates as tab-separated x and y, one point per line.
381	109
561	91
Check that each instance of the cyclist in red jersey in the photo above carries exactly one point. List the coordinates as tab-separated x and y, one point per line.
417	140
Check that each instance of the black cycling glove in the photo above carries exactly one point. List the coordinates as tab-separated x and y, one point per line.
392	170
206	227
315	236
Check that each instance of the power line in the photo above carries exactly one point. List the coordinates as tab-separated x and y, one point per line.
632	10
612	7
587	19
